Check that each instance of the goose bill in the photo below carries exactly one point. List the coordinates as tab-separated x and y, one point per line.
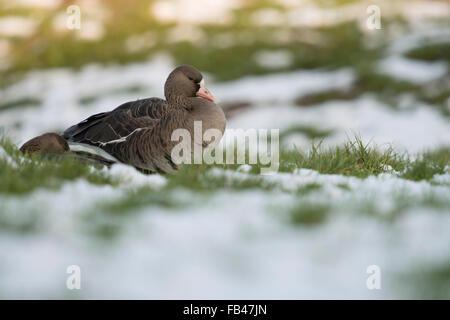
204	93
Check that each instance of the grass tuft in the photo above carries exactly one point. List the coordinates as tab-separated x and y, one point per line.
432	52
140	198
201	178
309	214
20	174
352	159
21	103
427	165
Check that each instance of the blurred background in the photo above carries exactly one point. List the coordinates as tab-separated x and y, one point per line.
315	69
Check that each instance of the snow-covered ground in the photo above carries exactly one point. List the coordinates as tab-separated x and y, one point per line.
229	244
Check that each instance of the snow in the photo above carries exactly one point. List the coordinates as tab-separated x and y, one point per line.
308	14
61	89
16	26
186	32
413	130
274	59
91	30
268	17
130	176
413	71
228	245
361	188
285	86
441	178
426	34
203	12
47	4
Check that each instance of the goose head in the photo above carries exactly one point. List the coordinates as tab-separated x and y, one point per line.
186	82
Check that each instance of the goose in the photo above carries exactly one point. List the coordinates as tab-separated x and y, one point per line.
46	143
138	133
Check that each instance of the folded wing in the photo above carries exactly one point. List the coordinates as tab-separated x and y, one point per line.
105	127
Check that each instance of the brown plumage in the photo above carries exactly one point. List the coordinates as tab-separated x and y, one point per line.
46	143
139	132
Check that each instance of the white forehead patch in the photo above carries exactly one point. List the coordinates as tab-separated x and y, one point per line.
202	83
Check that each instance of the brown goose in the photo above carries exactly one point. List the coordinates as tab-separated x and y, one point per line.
46	143
138	133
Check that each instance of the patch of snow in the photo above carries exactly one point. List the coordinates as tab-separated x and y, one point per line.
296	141
244	168
61	89
406	130
268	17
141	41
223	40
413	71
16	26
47	4
129	175
274	59
441	178
283	86
308	13
91	30
379	188
417	37
416	11
185	32
203	12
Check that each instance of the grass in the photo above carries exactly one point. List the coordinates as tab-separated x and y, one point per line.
428	282
309	131
352	159
308	214
201	178
20	175
139	198
427	165
21	103
342	45
311	210
362	160
308	188
321	97
24	222
107	219
432	52
386	88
